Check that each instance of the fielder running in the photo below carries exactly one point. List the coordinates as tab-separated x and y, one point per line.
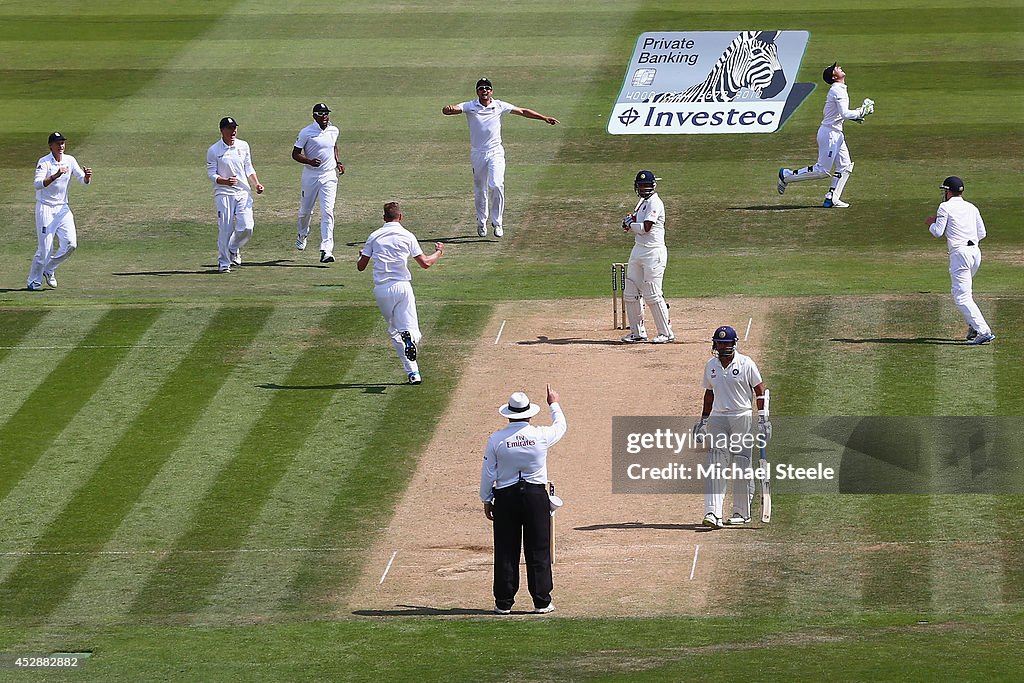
961	223
316	148
229	165
832	149
53	215
390	247
486	152
647	263
730	378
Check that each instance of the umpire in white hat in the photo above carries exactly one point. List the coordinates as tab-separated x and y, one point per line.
513	488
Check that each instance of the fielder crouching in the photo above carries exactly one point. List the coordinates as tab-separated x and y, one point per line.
513	488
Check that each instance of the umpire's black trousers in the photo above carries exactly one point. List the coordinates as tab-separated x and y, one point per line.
522	512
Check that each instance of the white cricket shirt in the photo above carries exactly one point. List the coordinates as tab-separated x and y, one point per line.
317	143
485	123
733	386
390	247
650	209
520	449
226	161
837	107
960	221
56	193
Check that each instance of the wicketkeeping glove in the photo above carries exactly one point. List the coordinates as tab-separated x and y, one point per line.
764	426
700	429
868	107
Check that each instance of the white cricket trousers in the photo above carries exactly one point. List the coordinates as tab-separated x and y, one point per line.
644	275
323	187
52	221
234	225
963	266
723	428
489	185
397	303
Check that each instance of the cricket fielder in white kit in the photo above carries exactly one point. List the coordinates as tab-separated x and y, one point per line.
647	262
961	223
229	165
316	148
53	215
486	152
832	149
390	247
730	379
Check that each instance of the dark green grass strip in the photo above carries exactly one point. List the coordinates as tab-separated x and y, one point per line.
183	580
794	370
1006	316
897	573
40	582
14	325
68	387
365	502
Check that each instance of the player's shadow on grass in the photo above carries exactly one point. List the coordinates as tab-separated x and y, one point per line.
378	388
213	270
900	340
455	239
423	611
775	207
639	525
569	340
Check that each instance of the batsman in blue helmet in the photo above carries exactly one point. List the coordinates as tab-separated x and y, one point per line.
647	263
732	382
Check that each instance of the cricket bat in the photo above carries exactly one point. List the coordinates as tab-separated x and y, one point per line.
766	484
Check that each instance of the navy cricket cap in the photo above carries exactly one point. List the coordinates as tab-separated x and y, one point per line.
829	75
953	184
645	177
228	122
724	334
321	108
55	136
484	82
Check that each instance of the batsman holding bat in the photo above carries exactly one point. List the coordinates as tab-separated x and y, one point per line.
730	379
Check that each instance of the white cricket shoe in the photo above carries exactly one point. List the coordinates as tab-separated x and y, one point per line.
34	287
498	231
633	338
498	610
236	257
830	203
481	230
51	279
414	378
783	174
712	520
663	339
300	243
737	519
545	610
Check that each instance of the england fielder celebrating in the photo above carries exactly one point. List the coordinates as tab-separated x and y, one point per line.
960	221
486	152
390	247
647	263
832	149
317	148
730	378
53	215
229	165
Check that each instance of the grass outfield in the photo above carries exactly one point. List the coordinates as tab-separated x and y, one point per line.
193	465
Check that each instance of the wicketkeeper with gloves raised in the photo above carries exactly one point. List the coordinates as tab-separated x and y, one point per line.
730	380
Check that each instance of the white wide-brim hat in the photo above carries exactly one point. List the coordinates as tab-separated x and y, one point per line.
519	407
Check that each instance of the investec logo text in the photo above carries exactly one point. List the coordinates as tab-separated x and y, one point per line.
697	118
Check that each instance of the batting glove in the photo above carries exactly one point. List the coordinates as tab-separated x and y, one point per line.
628	220
700	430
764	426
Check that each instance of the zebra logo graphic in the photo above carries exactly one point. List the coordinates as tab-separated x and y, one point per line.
751	61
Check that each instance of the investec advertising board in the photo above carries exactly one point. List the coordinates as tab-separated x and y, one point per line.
705	82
